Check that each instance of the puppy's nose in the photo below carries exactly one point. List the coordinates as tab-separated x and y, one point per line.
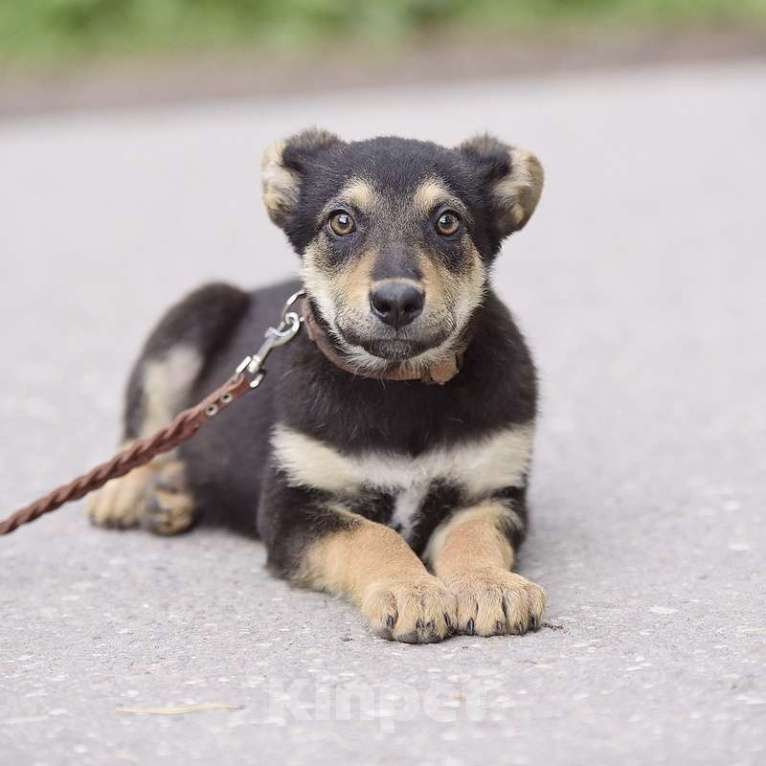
396	302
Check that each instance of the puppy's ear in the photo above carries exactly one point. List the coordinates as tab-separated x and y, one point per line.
283	167
513	179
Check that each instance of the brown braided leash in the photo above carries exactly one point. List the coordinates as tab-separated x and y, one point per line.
247	377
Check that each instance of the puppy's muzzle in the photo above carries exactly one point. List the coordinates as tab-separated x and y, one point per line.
396	302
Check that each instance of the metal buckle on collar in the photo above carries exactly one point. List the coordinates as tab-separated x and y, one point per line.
289	326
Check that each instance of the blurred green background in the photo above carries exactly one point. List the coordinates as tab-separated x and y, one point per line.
45	32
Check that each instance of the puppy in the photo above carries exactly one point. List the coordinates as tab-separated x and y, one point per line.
386	455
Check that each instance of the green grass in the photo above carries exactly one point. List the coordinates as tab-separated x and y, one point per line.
49	32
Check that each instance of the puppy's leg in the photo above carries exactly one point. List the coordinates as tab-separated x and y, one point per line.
472	553
156	495
315	542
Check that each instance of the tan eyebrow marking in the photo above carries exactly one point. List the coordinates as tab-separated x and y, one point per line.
360	194
357	193
433	192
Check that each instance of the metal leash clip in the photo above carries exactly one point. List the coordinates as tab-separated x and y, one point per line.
289	326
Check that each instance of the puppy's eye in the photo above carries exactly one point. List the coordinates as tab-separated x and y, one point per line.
341	223
447	223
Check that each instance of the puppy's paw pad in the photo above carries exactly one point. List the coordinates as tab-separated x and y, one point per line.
493	601
414	611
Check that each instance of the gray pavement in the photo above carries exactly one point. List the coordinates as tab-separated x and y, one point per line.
640	284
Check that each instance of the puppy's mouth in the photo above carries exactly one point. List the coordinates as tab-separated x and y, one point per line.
396	348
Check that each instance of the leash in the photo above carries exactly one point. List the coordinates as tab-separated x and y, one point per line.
247	377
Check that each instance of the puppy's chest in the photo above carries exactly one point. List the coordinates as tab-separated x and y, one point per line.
403	491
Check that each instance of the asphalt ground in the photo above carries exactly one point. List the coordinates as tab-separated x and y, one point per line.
640	285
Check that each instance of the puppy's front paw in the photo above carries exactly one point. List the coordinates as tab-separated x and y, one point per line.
120	503
492	601
170	507
416	611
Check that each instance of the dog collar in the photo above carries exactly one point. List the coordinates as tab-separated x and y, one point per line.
439	373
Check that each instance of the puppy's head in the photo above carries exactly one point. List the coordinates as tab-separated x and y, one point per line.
397	235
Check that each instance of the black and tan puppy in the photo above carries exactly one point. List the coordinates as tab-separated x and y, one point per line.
386	457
